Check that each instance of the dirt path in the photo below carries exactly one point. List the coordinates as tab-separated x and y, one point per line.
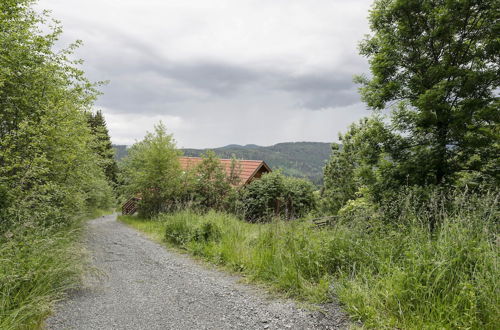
146	286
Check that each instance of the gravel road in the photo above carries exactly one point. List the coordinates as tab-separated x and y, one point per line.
145	286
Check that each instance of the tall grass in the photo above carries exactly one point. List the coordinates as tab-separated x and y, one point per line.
414	279
386	275
37	265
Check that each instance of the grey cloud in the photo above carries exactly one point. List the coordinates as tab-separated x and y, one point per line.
126	55
157	84
217	78
140	77
323	91
143	80
170	83
212	74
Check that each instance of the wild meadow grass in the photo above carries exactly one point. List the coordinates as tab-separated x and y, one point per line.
37	266
386	275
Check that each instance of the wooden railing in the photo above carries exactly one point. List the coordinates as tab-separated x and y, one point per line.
130	206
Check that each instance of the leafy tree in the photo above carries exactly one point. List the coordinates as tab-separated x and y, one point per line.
367	161
298	198
48	170
436	63
233	177
103	146
211	185
152	171
339	182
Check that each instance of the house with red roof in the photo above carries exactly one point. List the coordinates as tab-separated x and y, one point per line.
248	170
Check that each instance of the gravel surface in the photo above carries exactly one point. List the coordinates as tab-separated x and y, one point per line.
146	286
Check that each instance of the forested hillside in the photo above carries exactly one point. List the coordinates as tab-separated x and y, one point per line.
297	159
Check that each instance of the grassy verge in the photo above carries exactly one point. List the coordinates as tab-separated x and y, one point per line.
37	265
386	276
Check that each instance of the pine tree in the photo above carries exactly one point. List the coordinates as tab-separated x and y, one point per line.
103	146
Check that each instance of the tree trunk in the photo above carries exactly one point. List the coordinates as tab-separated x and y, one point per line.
441	170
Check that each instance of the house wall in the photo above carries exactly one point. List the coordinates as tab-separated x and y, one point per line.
259	173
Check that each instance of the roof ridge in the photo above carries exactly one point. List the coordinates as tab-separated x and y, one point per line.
245	160
248	167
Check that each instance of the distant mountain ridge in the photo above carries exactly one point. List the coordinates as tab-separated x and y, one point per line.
298	159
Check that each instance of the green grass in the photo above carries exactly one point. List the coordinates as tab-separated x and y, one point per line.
37	266
387	276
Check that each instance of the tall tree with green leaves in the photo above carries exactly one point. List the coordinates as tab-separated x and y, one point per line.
48	169
152	171
436	63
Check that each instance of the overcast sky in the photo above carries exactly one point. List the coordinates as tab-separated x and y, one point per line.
222	71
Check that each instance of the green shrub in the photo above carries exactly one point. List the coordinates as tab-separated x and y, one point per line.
277	195
51	173
207	231
152	170
211	185
405	275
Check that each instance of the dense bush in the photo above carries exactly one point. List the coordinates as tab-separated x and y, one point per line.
365	162
208	231
180	231
177	229
276	195
409	276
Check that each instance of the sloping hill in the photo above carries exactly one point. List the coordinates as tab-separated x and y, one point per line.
298	159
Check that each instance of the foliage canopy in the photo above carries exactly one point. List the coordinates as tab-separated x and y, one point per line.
49	171
437	65
152	171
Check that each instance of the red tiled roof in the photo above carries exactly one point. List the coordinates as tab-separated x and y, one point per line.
248	167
